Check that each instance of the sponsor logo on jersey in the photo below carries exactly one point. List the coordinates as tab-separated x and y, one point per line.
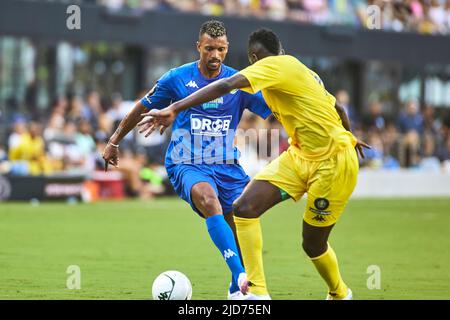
209	125
319	218
320	204
214	104
192	84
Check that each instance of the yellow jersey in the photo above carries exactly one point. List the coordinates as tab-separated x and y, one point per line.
299	100
28	149
31	150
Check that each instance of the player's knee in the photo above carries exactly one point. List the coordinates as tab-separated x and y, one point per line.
245	209
313	249
209	204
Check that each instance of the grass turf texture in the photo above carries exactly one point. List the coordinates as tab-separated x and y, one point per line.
122	246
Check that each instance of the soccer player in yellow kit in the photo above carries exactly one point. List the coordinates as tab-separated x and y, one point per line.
321	161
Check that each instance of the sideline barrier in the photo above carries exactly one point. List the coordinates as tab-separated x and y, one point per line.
57	187
371	184
402	183
62	187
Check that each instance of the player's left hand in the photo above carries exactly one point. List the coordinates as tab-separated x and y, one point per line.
157	119
360	145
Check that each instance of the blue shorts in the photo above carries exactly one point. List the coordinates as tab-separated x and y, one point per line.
227	180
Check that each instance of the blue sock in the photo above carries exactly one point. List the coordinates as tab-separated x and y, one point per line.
233	286
222	236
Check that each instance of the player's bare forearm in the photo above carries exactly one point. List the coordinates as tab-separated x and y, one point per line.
128	123
344	117
162	119
211	92
360	145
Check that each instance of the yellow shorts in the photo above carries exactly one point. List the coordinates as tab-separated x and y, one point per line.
329	184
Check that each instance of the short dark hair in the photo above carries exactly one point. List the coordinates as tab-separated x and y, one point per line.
267	38
213	28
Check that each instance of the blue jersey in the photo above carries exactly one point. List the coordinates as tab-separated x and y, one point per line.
203	134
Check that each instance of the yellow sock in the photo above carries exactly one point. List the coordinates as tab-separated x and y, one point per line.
327	265
251	244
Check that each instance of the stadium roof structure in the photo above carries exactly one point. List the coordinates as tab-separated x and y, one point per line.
47	21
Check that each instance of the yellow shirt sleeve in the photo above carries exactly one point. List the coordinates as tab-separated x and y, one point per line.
261	75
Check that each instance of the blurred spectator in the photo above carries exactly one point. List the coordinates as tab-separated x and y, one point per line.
375	118
429	160
427	25
392	144
443	153
374	157
92	108
409	149
75	111
86	144
416	9
410	119
28	153
19	129
447	12
105	127
438	15
430	122
73	156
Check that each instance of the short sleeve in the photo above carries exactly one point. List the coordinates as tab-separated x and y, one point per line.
261	75
162	94
256	104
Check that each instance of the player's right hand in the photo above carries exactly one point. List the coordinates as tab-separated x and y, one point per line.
111	155
360	145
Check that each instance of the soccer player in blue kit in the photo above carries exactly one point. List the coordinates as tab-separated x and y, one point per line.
201	159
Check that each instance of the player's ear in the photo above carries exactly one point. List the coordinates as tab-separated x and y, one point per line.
198	46
253	58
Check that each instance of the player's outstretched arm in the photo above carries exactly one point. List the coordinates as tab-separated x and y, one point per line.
161	119
344	117
111	151
360	145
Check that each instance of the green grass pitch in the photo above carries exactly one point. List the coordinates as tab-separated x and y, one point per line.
122	246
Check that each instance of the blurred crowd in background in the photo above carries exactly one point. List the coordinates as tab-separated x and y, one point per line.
72	137
424	16
416	137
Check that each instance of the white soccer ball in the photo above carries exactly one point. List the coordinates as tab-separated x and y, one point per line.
172	285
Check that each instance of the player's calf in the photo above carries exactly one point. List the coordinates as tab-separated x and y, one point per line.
315	239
